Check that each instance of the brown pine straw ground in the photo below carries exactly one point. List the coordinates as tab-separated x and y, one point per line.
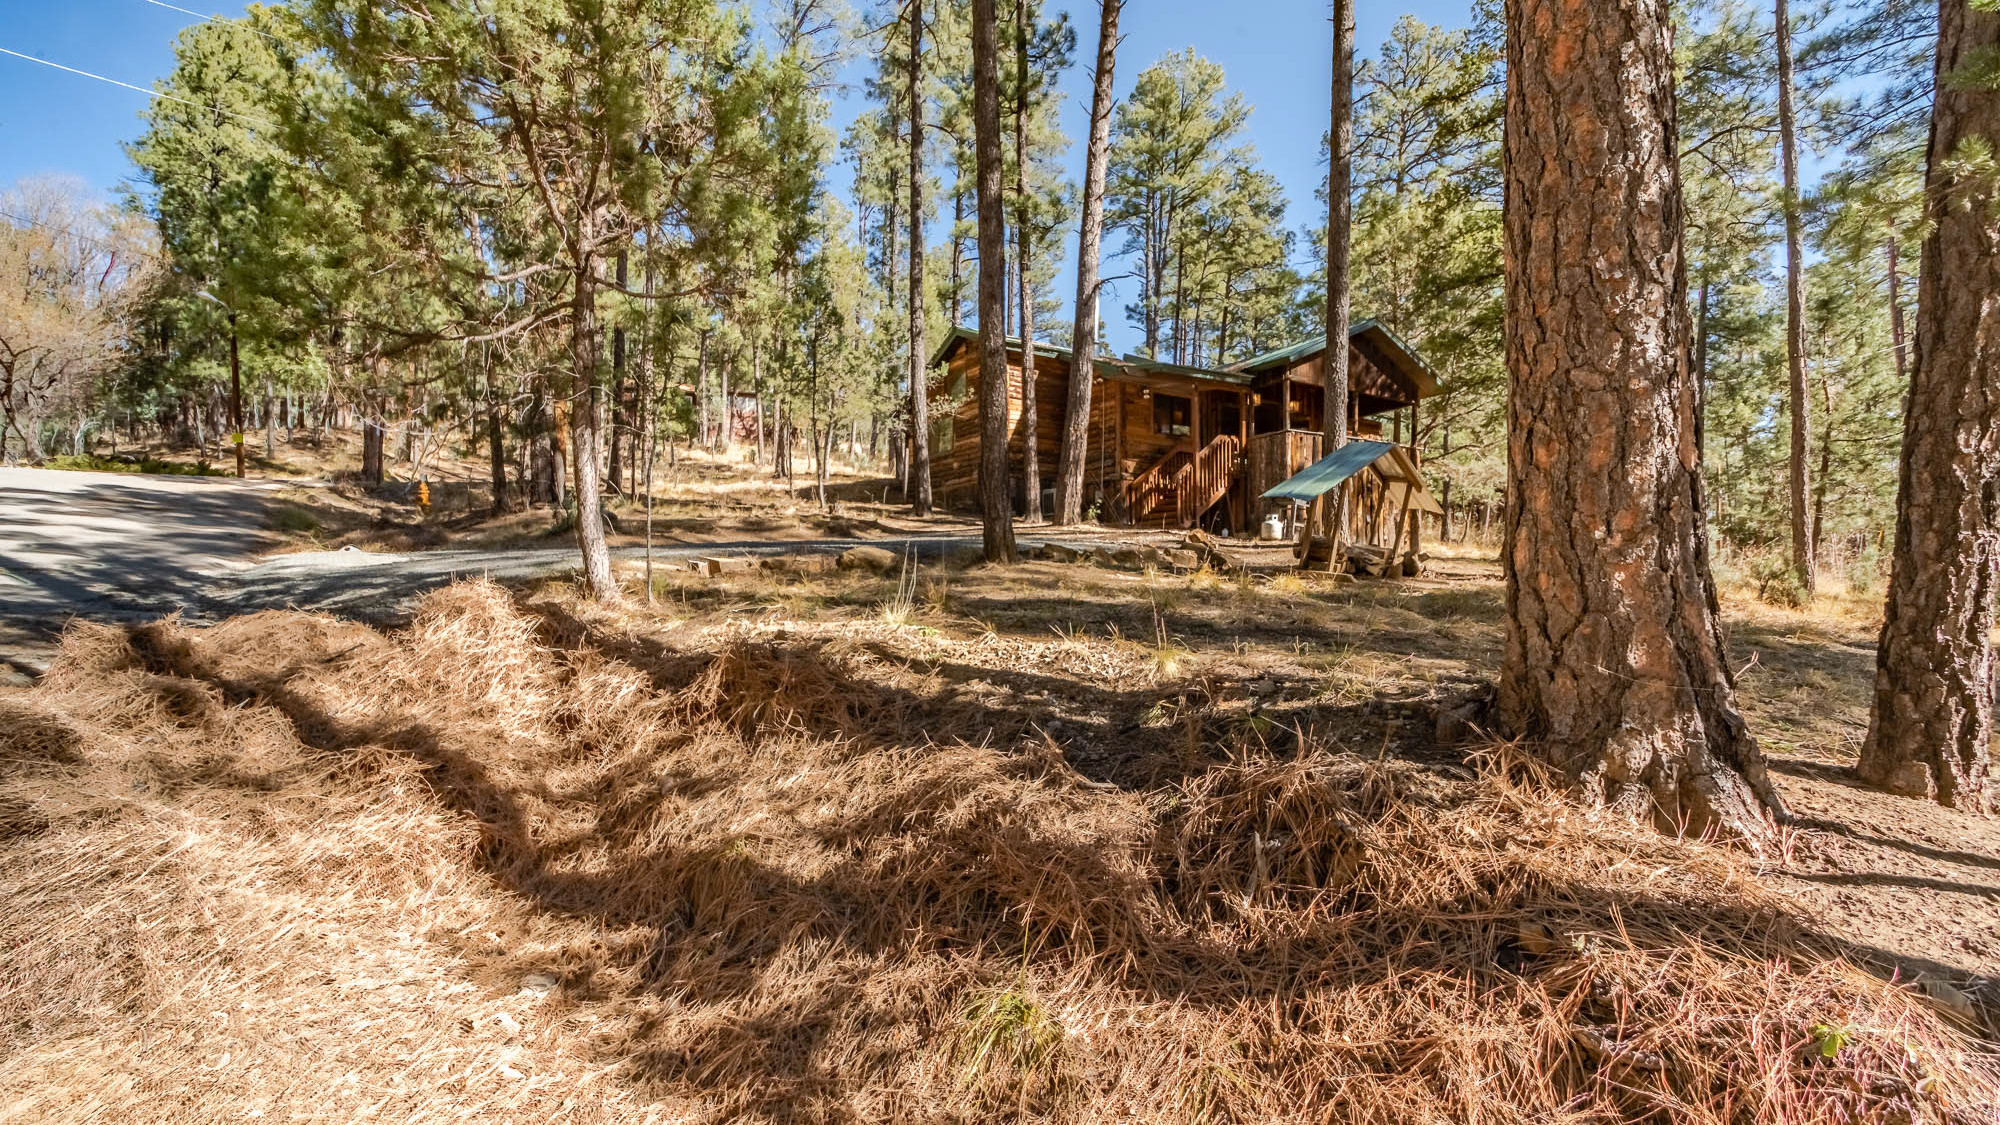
529	861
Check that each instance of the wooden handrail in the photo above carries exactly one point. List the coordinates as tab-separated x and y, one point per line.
1206	478
1153	486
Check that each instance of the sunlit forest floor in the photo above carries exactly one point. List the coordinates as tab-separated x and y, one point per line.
1056	842
962	844
698	498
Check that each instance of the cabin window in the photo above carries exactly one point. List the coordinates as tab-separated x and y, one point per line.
1173	415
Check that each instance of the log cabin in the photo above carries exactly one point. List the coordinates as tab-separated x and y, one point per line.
1175	446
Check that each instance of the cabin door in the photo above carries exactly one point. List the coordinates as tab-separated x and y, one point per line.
1221	413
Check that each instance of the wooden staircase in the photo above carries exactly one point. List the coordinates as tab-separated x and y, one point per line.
1150	498
1178	488
1205	479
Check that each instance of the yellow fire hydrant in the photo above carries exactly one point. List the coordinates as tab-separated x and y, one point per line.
424	496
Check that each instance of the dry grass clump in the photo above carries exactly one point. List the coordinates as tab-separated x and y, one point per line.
753	687
500	866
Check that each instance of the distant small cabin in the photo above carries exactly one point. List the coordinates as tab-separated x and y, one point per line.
1176	446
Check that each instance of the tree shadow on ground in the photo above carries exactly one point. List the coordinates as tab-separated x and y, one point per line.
718	915
1844	776
1028	613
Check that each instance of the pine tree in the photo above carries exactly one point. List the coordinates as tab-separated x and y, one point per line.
996	509
1427	237
223	193
1804	571
920	422
1090	237
1339	227
1040	52
1174	143
1931	728
1616	663
565	113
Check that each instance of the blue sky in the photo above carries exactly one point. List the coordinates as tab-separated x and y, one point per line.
1274	51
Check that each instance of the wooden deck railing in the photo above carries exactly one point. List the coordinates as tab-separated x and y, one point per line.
1276	457
1206	478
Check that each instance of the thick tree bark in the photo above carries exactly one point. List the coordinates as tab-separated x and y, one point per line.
1803	568
583	430
1934	674
1616	662
1339	245
1031	454
997	510
1089	245
920	411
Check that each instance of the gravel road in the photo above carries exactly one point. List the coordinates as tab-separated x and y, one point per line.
127	547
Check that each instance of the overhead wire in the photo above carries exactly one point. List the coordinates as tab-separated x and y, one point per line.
137	89
209	19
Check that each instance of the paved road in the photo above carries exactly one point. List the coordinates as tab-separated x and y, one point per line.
123	547
119	544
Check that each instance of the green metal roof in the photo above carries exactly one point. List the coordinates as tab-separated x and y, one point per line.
1304	347
1156	367
1326	474
1131	363
1374	332
1283	355
962	334
1369	329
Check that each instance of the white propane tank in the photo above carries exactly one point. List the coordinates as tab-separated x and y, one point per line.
1274	528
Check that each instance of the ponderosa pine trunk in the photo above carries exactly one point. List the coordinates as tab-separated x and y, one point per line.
1932	723
1031	454
1804	569
1339	245
1616	666
920	412
1089	246
584	417
996	508
1339	224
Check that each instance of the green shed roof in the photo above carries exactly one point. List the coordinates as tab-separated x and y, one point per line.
1327	473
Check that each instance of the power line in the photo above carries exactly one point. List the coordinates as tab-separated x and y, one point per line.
209	19
181	10
136	89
